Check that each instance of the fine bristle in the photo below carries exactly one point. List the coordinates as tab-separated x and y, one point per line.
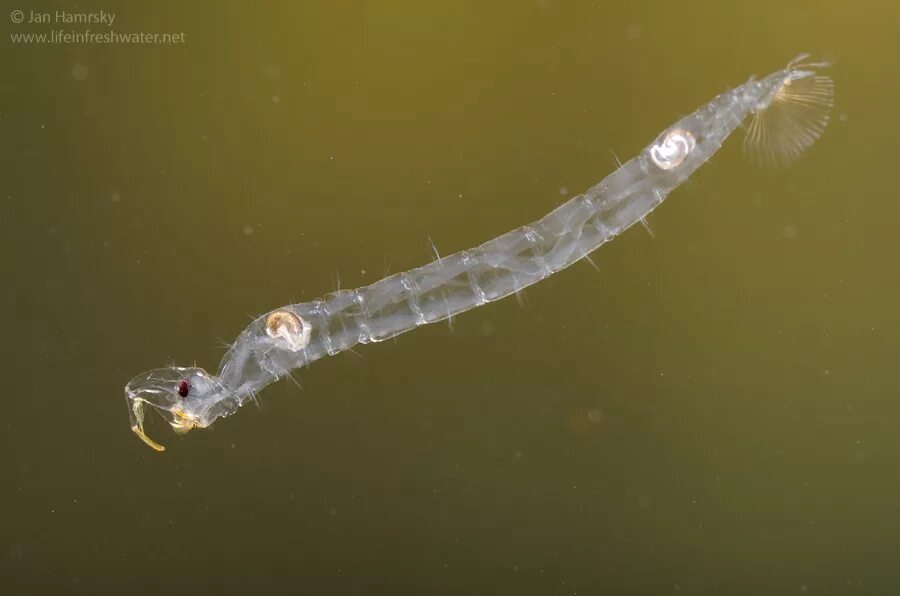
794	119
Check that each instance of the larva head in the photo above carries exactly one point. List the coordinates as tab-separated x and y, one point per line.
181	395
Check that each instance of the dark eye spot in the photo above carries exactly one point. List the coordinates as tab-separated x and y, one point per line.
184	387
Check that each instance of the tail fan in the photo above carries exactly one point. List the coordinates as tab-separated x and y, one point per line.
794	119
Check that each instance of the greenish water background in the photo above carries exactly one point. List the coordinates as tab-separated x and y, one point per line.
714	412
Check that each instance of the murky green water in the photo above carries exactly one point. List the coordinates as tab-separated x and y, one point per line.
714	412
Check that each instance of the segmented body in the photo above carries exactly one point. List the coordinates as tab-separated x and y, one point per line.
296	335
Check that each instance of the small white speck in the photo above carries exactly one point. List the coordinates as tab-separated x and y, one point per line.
563	191
275	99
114	196
79	72
790	231
271	71
248	229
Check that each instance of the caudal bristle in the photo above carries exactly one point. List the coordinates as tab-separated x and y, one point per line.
795	118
